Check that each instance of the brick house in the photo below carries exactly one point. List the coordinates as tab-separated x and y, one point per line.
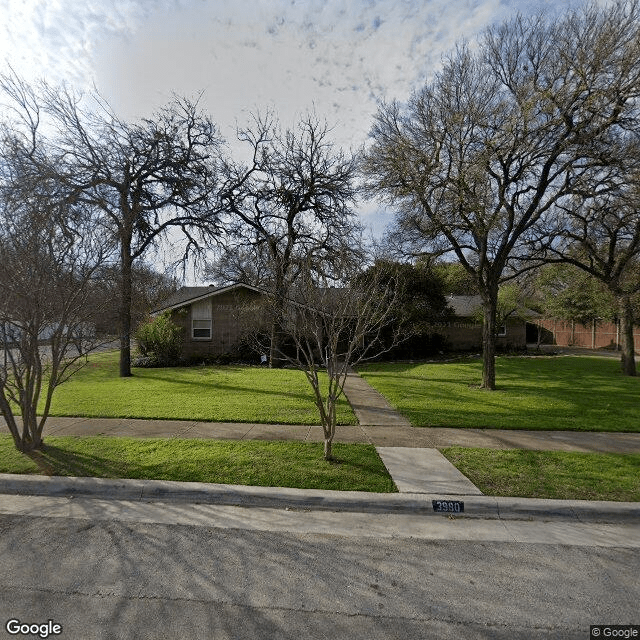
463	331
211	318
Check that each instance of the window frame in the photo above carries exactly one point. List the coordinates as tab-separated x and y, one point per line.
208	327
201	320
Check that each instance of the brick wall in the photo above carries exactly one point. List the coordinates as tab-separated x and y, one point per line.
595	335
227	323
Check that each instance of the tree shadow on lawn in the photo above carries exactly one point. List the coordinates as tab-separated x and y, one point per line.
54	460
59	461
373	467
575	418
510	371
567	391
537	409
217	386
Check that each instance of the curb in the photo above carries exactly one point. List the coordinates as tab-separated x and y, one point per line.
482	507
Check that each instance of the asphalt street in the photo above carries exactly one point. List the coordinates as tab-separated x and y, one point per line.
108	578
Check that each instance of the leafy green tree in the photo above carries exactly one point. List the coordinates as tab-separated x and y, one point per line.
420	303
455	279
568	293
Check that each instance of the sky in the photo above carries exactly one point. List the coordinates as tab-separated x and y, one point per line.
339	59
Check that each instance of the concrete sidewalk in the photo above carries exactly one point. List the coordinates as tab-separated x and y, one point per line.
371	407
383	435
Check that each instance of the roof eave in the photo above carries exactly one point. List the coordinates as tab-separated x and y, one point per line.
204	296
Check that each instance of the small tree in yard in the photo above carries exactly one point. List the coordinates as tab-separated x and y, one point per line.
329	330
47	261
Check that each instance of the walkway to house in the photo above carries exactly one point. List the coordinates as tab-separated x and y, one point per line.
410	454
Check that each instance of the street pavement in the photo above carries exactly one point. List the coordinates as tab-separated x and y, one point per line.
110	579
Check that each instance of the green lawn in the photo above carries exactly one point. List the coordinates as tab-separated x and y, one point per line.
550	474
271	464
215	394
574	393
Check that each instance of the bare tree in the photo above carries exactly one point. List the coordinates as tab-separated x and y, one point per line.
482	153
49	253
232	264
331	325
148	289
291	203
143	178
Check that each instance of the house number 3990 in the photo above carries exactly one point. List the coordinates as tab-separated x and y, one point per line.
448	506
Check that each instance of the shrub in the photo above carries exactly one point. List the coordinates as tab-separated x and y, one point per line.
160	340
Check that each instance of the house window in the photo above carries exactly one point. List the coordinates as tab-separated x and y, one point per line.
201	320
201	329
502	330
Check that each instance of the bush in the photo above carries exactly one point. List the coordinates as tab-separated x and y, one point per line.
160	340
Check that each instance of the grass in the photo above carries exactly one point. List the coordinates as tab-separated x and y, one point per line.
573	393
550	474
270	464
212	393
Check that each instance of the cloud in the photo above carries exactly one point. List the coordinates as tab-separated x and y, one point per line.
55	39
288	55
283	55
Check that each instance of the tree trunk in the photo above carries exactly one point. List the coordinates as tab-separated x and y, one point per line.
276	361
30	444
275	357
490	305
7	412
328	442
31	437
628	360
125	308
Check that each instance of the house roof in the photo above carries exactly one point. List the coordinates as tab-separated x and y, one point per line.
184	294
188	295
464	306
468	306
